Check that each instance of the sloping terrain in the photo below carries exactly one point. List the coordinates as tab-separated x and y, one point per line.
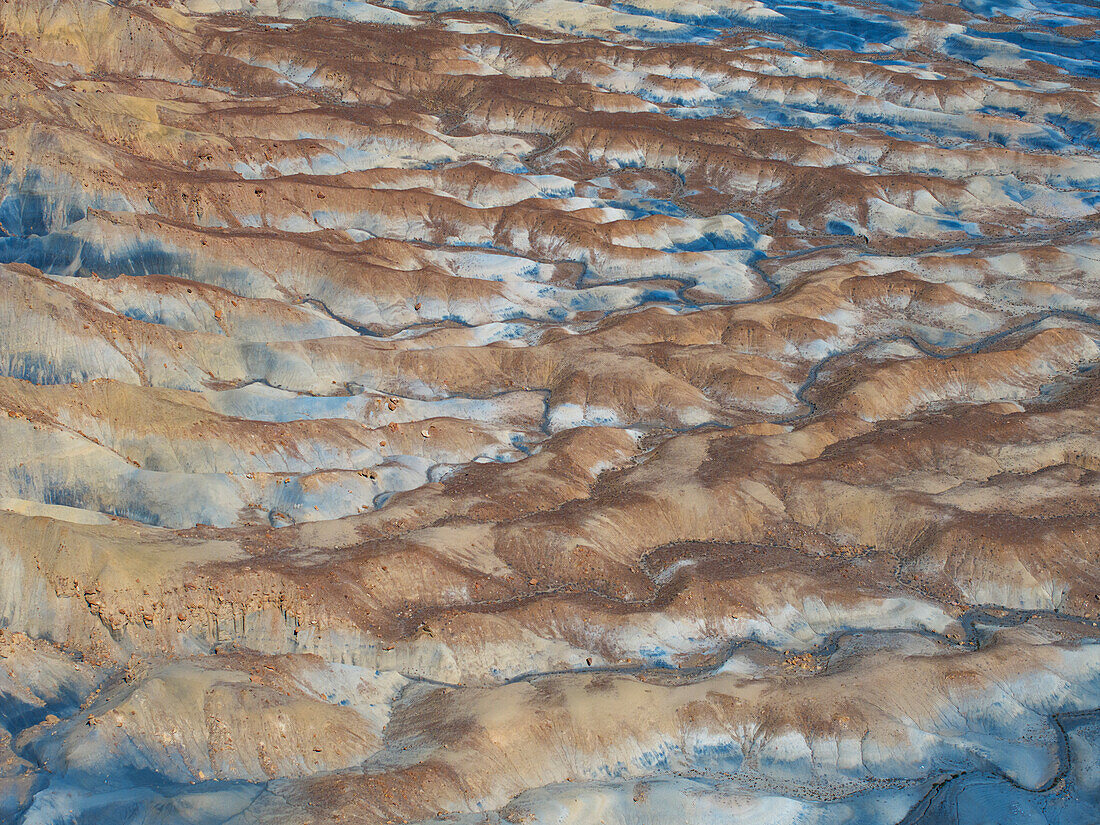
549	411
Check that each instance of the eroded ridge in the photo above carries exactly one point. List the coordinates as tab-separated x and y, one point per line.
549	412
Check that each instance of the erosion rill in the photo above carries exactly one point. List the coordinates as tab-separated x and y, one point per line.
500	411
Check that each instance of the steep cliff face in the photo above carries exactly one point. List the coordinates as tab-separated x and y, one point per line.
550	411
